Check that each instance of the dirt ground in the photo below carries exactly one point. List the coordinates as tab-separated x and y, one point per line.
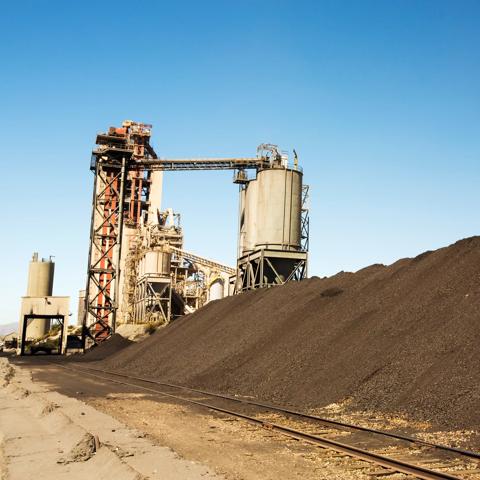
45	435
231	448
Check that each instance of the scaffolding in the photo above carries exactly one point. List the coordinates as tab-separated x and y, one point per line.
104	253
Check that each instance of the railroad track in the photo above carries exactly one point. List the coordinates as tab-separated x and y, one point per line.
406	455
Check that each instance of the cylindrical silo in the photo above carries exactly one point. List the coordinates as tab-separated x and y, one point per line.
273	210
216	290
242	227
40	284
157	262
279	209
251	200
40	277
81	307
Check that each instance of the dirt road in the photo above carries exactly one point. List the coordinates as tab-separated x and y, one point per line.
45	435
233	449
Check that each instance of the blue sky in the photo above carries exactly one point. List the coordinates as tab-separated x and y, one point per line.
379	98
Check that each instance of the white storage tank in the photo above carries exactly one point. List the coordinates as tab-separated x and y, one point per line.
157	262
251	203
40	277
279	209
242	228
40	284
81	307
216	290
273	210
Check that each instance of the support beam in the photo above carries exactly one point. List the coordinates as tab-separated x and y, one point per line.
266	268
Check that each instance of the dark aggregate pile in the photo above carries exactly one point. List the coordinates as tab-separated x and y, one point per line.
113	345
402	338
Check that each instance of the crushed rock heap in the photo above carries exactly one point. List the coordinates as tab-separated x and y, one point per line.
113	345
399	338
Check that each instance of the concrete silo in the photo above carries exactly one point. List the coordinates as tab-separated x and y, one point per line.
273	227
40	284
216	290
278	209
40	277
80	307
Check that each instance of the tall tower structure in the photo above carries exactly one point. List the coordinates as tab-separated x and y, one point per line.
121	196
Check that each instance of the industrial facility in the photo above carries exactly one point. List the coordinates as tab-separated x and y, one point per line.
140	277
241	241
138	271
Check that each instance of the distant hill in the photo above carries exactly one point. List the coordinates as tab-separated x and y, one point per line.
8	328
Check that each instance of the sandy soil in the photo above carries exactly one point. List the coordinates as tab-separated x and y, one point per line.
45	435
235	449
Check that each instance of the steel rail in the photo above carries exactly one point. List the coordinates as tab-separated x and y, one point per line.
328	421
358	453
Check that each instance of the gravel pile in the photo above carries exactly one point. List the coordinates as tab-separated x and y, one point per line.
399	338
104	350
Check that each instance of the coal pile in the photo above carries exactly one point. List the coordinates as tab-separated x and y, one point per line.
401	338
113	345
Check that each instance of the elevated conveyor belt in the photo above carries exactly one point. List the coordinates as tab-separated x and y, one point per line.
202	164
203	261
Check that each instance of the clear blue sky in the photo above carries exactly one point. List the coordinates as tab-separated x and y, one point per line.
381	100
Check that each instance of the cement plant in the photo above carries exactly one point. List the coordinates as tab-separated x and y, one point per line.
240	240
139	274
162	330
